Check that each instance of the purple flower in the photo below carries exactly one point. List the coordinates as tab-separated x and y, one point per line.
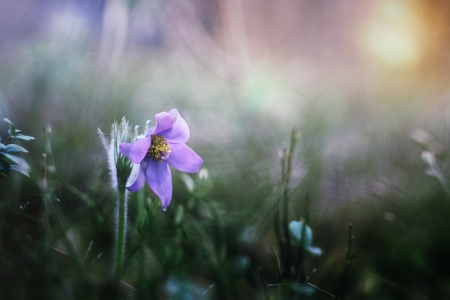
162	146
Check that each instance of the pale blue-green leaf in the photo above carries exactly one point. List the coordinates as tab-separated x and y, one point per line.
302	289
23	137
296	229
19	169
308	236
12	129
8	121
11	148
184	290
17	160
2	146
314	250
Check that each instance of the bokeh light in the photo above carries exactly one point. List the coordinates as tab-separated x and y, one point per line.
395	34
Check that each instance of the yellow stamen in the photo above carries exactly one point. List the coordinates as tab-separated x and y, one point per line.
160	148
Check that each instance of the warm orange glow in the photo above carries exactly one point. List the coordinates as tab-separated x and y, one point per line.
394	34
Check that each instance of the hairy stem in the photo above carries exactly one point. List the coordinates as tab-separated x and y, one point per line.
121	229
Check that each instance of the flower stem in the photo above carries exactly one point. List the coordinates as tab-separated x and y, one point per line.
121	229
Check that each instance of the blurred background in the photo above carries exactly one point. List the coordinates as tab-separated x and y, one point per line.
364	82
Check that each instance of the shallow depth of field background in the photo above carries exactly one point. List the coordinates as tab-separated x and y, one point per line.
366	83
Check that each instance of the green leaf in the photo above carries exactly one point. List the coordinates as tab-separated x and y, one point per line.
8	121
11	148
12	128
23	137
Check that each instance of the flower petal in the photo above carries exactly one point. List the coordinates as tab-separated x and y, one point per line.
184	158
139	181
136	150
164	121
179	133
159	179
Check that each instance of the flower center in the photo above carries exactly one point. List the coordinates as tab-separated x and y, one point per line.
160	148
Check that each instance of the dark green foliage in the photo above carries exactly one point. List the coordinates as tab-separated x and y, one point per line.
8	159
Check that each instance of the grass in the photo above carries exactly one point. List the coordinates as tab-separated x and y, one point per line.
225	235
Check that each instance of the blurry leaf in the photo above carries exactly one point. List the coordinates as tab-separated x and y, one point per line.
190	185
314	250
12	128
241	263
184	290
8	121
17	160
179	214
20	170
421	136
203	174
13	158
302	289
11	148
23	137
296	229
434	170
2	146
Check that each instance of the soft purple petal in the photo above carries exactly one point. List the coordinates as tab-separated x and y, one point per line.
179	133
160	180
139	181
184	158
136	150
164	121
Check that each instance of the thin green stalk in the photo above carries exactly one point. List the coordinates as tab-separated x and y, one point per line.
121	229
350	241
286	177
47	199
346	274
49	178
47	189
284	219
288	173
301	253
